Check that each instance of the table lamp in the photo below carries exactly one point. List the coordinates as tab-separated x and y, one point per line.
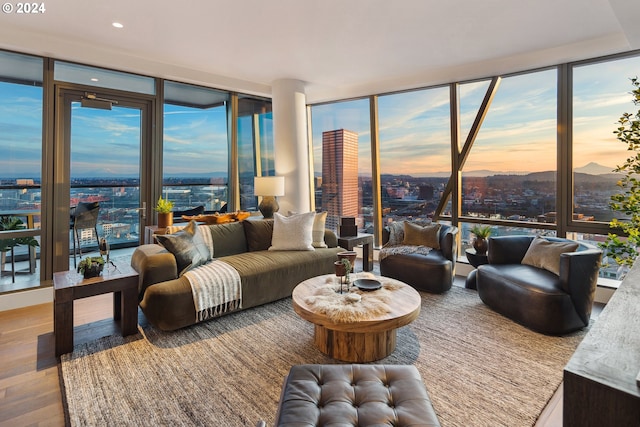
269	187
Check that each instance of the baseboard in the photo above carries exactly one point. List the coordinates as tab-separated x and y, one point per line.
26	298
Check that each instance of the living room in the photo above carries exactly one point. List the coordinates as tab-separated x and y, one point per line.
518	91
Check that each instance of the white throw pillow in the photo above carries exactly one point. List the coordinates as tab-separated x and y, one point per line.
319	224
293	233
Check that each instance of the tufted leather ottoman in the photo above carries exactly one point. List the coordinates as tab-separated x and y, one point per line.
356	395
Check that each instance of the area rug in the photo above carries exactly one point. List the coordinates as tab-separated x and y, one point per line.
480	368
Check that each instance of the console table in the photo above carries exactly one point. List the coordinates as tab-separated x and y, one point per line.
600	385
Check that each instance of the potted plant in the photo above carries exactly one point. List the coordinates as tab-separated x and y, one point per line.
343	268
165	215
481	232
625	251
91	266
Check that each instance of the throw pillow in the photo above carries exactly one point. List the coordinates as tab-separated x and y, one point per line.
396	233
292	233
545	254
319	224
188	247
258	234
417	235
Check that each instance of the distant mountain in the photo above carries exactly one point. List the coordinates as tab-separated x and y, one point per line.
594	168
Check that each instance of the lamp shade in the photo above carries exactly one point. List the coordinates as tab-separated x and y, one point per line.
268	186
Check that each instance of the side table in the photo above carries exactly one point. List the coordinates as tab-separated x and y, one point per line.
366	240
475	259
68	286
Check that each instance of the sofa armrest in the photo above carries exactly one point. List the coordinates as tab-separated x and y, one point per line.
579	278
154	264
448	244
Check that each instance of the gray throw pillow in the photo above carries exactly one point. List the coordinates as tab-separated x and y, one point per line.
187	246
545	254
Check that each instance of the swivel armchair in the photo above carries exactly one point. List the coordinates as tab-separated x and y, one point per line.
432	272
549	290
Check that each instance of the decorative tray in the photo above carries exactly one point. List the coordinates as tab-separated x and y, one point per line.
367	284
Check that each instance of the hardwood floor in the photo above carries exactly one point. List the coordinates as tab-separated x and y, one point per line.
29	383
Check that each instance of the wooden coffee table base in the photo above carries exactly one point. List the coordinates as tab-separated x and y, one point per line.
355	346
359	341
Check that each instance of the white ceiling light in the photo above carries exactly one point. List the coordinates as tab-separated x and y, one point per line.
117	25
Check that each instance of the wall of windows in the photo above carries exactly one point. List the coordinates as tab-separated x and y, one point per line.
509	166
141	137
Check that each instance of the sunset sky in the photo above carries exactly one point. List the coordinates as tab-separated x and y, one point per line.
519	132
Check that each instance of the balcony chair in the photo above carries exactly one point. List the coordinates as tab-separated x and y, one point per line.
83	216
431	272
545	284
8	245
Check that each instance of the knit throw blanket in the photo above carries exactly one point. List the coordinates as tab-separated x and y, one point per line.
402	250
216	289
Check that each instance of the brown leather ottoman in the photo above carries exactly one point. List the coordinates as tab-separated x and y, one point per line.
358	395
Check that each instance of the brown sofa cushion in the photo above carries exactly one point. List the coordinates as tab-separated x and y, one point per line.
228	239
258	233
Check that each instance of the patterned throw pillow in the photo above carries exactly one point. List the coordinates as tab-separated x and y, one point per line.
292	233
188	246
396	233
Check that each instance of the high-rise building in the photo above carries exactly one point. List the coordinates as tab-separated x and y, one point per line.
339	175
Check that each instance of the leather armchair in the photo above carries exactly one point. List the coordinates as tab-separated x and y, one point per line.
535	297
431	273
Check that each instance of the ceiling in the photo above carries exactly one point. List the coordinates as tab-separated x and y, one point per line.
339	48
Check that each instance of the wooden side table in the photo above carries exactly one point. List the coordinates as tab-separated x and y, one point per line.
69	286
366	240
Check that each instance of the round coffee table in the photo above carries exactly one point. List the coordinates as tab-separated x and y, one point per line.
363	340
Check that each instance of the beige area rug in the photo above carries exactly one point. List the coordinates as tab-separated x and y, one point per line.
480	369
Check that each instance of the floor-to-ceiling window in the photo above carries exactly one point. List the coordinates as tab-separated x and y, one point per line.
20	166
195	158
510	171
255	146
415	152
601	94
342	161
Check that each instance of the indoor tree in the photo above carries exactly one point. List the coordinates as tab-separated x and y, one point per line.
627	201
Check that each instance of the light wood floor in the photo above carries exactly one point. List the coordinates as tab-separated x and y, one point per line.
29	383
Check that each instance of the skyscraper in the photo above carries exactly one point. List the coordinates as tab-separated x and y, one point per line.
339	175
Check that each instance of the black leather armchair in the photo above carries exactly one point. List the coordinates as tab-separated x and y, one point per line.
431	273
535	297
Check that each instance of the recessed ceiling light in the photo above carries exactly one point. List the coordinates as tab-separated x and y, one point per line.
94	79
117	25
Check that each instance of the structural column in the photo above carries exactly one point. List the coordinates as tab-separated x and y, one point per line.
291	145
